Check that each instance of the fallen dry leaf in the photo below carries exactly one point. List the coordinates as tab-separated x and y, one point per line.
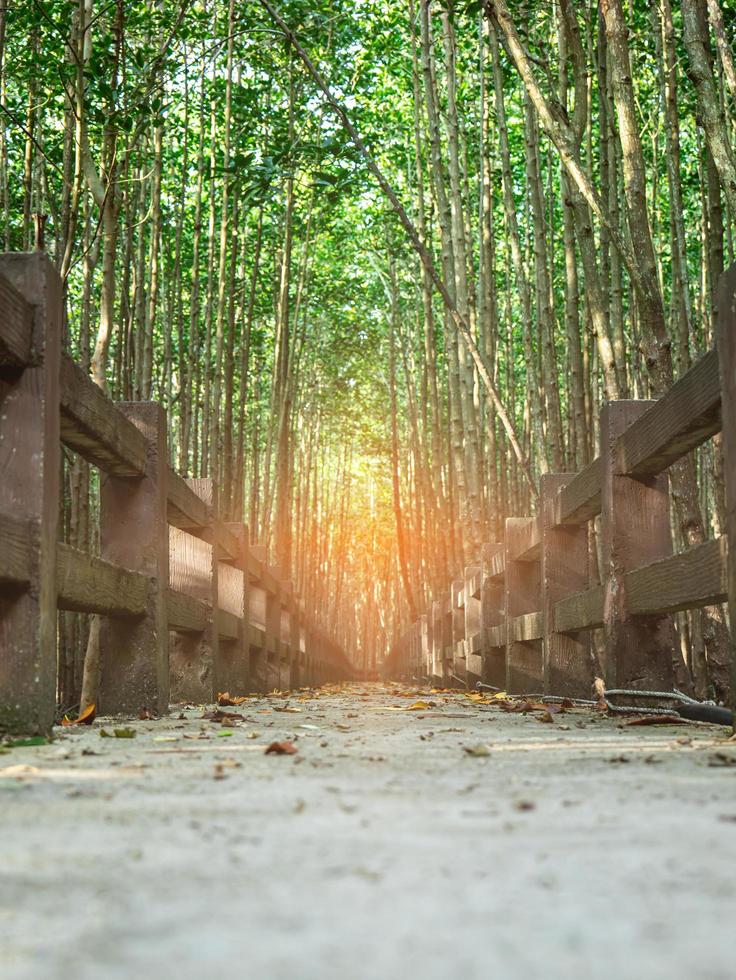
722	759
222	716
230	700
86	717
546	717
281	748
145	714
478	751
523	805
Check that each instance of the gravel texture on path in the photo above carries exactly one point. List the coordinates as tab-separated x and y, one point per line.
414	834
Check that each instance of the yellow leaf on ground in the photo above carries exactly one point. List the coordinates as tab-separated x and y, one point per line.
86	717
229	700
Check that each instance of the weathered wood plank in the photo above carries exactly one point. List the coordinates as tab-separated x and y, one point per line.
15	550
257	610
493	611
496	636
256	636
89	584
524	629
228	626
30	464
523	612
134	654
185	509
190	564
230	589
581	611
473	581
94	427
528	540
726	339
635	531
457	627
567	662
689	580
580	500
194	658
16	326
496	565
234	673
473	625
187	614
473	645
687	415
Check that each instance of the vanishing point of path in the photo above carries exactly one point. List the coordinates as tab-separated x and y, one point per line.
578	847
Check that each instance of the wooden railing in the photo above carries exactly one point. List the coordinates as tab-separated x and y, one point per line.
187	606
522	617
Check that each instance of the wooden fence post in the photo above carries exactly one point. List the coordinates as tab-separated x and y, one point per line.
523	657
493	606
273	637
30	463
134	533
436	670
257	617
726	341
425	666
473	625
567	661
287	648
193	570
458	662
233	672
635	526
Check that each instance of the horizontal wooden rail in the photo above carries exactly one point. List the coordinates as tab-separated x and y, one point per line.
524	629
185	613
687	415
92	425
228	625
580	500
497	636
528	542
497	566
185	509
16	326
89	584
473	644
580	611
689	580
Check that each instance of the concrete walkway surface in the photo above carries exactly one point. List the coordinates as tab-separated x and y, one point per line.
575	846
